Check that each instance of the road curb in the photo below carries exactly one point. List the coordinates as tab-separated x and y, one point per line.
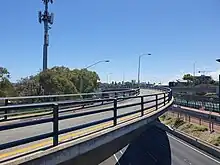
204	146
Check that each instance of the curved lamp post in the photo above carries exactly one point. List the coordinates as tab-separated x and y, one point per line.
108	77
218	60
81	79
139	66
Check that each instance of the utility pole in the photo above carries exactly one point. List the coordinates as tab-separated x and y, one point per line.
218	60
194	69
47	18
194	73
123	79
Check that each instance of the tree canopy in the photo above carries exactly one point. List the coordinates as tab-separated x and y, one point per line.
6	88
188	77
197	80
57	80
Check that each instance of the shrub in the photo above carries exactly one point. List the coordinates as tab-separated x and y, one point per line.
162	117
199	128
178	122
215	141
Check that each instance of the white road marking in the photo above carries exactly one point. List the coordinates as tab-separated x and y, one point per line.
116	159
187	161
194	149
121	152
151	156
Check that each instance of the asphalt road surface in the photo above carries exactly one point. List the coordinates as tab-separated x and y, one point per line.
25	132
156	147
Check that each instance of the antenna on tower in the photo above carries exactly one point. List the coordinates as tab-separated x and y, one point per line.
47	19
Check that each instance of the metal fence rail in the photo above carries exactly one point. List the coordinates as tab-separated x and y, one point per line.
52	98
197	104
65	101
158	99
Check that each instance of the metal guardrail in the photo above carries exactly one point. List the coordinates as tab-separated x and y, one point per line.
56	98
161	99
197	104
52	98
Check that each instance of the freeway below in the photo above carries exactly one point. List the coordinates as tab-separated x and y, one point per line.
24	132
156	147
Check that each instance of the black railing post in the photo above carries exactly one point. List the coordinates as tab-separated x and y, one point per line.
6	111
54	99
124	94
102	97
142	105
171	95
164	98
115	112
156	101
55	124
116	94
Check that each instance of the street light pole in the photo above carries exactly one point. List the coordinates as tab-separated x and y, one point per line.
218	60
139	67
47	18
194	69
81	77
108	77
219	93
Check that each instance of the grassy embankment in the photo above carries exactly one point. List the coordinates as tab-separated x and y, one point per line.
199	131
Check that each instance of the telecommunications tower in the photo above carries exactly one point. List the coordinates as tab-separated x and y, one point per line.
47	18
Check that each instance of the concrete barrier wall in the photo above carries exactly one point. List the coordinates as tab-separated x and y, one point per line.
214	151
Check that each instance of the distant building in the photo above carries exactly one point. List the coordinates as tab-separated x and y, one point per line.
178	82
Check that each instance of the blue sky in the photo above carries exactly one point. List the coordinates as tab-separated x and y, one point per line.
177	33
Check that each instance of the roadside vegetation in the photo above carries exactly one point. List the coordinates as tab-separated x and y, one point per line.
57	80
198	131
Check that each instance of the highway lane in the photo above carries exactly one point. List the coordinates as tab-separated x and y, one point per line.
70	110
156	147
20	133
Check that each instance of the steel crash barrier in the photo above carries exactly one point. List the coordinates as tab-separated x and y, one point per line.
197	102
8	101
154	101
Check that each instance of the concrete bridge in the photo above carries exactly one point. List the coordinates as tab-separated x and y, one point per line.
66	137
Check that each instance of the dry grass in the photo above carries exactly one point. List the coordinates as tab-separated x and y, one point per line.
195	130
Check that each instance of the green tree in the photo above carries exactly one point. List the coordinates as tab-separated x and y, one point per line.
29	86
57	81
62	80
6	87
188	77
90	80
